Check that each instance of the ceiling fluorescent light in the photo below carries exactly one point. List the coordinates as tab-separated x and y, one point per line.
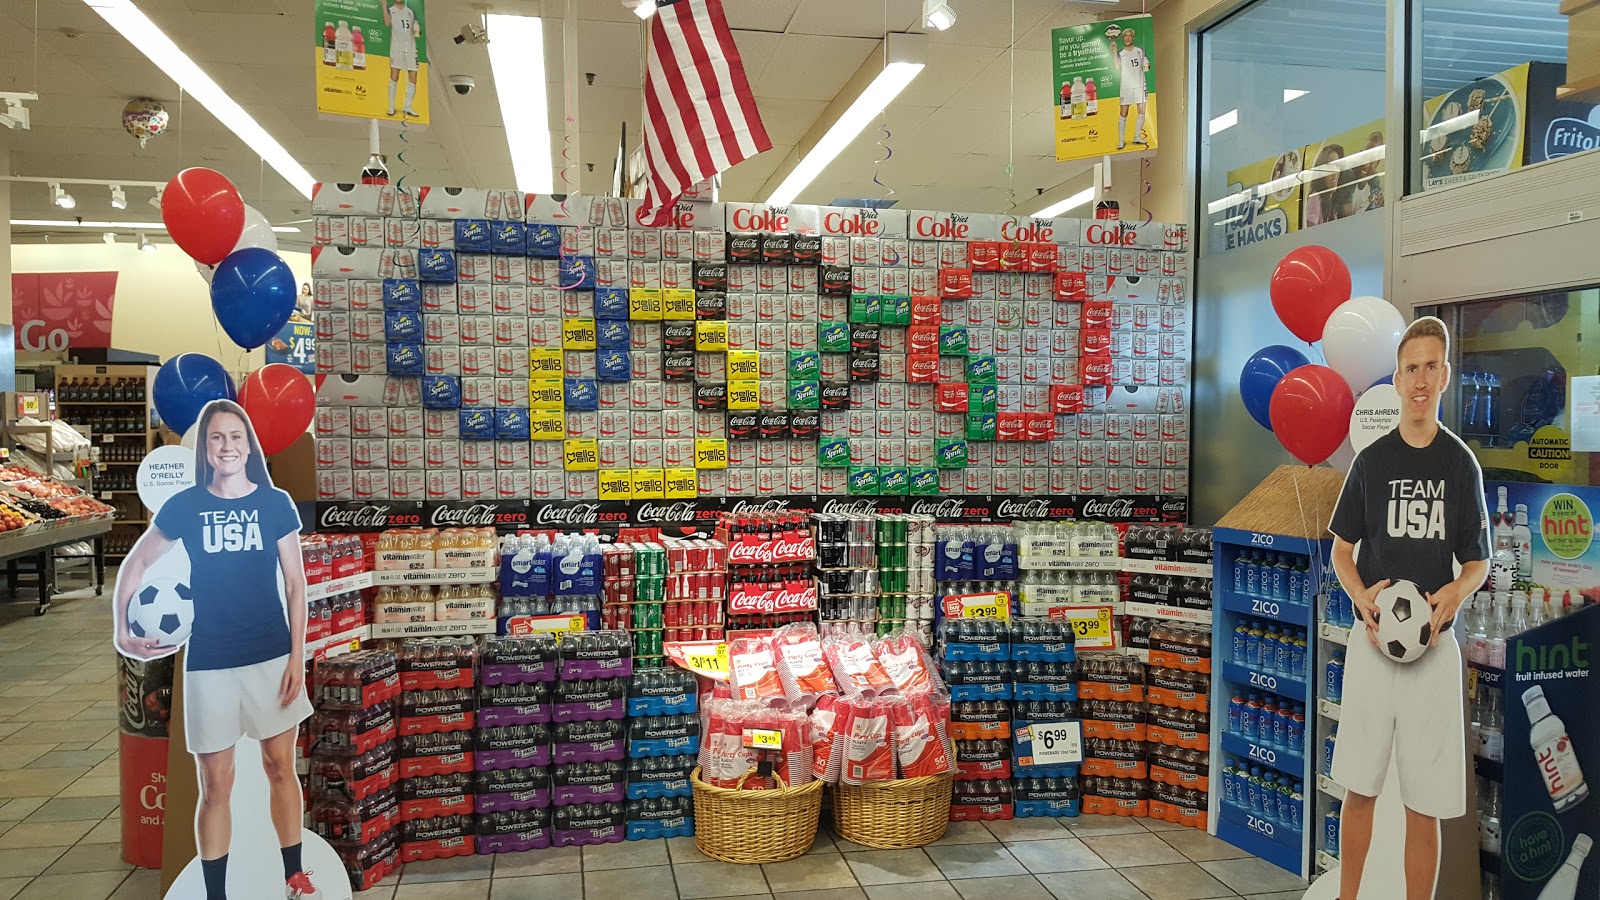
119	197
150	40
889	82
152	226
937	14
1225	121
1073	202
516	57
1292	94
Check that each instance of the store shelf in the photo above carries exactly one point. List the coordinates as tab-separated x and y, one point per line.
1328	709
1285	761
1255	835
1172	613
334	643
100	403
1334	633
1072	563
357	582
1271	610
480	575
1330	787
1326	861
1282	685
1164	567
1488	768
433	629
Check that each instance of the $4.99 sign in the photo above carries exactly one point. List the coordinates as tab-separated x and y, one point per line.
995	605
1091	625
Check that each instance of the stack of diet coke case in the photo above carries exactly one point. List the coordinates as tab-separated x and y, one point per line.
352	771
663	737
437	716
588	738
876	570
516	706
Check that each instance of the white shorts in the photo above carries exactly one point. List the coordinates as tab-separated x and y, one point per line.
1414	711
403	57
223	705
1134	94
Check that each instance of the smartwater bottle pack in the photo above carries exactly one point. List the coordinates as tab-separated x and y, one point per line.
994	554
525	572
651	819
513	831
508	789
952	557
588	782
575	565
441	392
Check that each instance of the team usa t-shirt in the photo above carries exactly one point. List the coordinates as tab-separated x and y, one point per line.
1413	510
239	618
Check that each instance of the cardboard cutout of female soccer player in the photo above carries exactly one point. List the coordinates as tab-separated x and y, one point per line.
220	571
1411	544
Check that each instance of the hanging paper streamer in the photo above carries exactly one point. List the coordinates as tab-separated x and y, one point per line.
400	157
1144	168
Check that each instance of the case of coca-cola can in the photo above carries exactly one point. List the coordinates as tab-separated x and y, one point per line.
710	425
517	484
369	453
1174	481
713	482
545	453
583	424
370	484
477	484
335	484
444	484
477	454
645	394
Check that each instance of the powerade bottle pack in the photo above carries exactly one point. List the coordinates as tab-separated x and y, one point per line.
599	740
440	838
660	692
436	795
660	818
515	704
589	823
1051	796
513	830
513	747
588	782
974	639
675	735
1044	640
510	789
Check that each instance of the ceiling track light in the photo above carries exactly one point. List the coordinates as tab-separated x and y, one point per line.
937	14
156	200
109	237
119	197
144	243
60	197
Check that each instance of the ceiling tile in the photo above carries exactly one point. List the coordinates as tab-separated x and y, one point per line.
760	15
855	18
812	67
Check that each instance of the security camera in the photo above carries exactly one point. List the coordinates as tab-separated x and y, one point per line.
472	34
462	84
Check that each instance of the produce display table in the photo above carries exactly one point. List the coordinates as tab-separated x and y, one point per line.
40	545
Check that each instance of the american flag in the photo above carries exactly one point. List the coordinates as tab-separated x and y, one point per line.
699	115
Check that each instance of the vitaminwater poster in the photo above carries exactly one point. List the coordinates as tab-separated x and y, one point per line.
1561	555
1105	88
1549	821
372	59
1344	175
1476	130
1262	216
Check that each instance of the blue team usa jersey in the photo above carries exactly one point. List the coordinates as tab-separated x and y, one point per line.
239	617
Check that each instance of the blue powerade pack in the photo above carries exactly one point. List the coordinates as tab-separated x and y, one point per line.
654	777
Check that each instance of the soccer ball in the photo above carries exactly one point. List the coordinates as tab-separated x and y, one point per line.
162	608
1404	626
1113	31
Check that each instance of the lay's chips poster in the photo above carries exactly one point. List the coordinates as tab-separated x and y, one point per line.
1262	217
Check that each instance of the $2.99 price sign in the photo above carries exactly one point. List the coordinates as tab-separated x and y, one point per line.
1091	625
996	605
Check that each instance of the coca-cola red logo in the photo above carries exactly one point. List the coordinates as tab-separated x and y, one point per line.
761	218
948	227
861	221
793	547
793	597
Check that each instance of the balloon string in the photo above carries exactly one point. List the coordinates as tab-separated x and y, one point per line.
1014	258
400	155
1144	178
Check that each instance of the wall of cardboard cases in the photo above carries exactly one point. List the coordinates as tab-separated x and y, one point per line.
497	347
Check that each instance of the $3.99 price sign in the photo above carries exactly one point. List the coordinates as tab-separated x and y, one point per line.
995	606
1091	624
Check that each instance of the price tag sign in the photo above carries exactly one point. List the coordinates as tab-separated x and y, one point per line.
1091	625
706	658
995	605
763	739
1056	743
546	624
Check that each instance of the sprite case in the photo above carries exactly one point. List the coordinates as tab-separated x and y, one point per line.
924	482
952	340
834	337
894	480
950	454
895	311
805	365
982	398
804	395
862	481
833	453
981	370
865	308
980	426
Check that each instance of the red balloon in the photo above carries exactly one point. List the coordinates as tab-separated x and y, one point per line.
1310	412
203	213
1308	284
281	404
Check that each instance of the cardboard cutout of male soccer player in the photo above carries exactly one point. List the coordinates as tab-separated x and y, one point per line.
1412	509
244	674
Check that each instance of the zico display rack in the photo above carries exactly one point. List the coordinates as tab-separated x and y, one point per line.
1266	597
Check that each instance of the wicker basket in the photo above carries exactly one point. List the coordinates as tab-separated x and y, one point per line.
893	815
739	826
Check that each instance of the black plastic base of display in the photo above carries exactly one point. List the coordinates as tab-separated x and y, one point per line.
510	515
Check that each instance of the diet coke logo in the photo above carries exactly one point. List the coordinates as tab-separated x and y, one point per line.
862	221
478	515
1022	509
940	509
1106	509
947	227
358	517
668	512
569	514
1026	230
1111	236
681	215
761	218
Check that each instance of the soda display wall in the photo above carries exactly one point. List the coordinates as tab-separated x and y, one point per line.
524	353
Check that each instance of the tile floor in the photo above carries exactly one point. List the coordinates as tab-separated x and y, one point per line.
59	826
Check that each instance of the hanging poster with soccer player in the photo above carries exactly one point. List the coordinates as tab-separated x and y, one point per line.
371	58
1411	546
220	573
1105	88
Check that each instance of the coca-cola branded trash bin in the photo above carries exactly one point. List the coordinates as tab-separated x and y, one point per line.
144	695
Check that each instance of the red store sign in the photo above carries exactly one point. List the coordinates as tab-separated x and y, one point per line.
53	311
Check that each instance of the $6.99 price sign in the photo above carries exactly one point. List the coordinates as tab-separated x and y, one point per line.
1055	743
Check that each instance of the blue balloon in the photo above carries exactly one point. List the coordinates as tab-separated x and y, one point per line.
253	294
185	384
1261	374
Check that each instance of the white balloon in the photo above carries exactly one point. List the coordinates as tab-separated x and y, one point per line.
1343	457
1360	338
257	233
